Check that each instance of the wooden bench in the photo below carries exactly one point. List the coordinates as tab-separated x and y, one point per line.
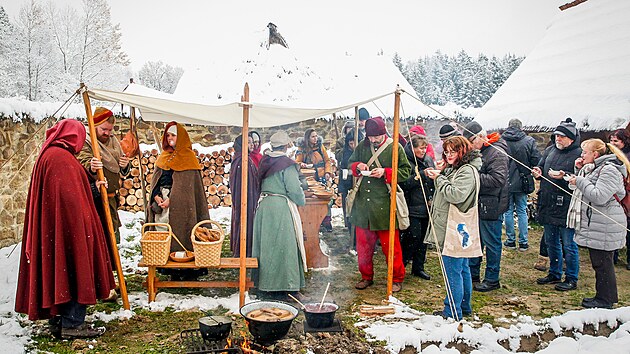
153	283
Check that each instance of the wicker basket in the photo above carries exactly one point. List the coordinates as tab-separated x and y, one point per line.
156	245
207	254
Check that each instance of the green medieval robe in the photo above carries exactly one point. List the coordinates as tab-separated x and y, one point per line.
280	264
371	204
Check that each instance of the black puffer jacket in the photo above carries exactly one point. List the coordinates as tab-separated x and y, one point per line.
493	175
414	193
523	148
553	203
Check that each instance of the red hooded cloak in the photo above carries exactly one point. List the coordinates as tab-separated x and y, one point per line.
64	252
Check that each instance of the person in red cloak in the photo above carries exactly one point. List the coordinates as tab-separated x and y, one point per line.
64	264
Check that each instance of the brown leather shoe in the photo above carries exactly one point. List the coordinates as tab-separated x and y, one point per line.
84	330
113	296
363	284
396	287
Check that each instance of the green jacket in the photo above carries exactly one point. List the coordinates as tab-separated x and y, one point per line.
371	204
460	191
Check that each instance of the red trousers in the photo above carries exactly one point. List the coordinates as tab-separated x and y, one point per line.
366	240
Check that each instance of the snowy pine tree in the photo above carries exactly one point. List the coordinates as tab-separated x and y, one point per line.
461	79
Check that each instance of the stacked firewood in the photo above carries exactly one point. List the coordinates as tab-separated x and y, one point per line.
215	173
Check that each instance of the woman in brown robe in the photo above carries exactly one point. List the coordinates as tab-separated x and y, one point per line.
64	264
177	193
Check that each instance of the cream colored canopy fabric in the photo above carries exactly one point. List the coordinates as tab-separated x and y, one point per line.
163	107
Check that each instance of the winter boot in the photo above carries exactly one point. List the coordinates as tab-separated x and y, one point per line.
541	263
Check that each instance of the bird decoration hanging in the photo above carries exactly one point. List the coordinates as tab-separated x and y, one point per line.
275	37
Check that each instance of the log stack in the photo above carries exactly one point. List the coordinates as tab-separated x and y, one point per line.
215	174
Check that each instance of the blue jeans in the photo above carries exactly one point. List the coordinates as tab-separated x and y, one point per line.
517	201
556	248
490	232
458	277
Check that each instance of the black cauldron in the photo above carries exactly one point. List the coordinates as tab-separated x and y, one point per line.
320	318
215	328
268	332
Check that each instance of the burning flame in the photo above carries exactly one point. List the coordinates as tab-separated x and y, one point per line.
229	343
245	344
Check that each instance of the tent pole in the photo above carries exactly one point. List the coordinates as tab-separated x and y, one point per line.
104	199
244	174
134	131
392	197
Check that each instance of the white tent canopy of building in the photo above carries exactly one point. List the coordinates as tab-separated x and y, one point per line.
580	69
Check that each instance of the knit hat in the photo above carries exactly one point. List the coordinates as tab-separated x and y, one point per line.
447	131
280	138
375	127
101	114
172	129
364	114
348	125
472	128
567	128
515	123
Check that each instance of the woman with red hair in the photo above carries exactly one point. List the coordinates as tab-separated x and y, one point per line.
456	180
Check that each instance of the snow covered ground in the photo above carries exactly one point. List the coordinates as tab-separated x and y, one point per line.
407	327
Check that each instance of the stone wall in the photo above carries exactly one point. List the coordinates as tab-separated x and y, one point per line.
19	147
23	139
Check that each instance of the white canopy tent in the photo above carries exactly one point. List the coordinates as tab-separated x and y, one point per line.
163	107
158	106
579	70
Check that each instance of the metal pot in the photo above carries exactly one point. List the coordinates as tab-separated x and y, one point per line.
215	328
268	332
317	318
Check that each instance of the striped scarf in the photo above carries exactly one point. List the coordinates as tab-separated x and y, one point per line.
574	215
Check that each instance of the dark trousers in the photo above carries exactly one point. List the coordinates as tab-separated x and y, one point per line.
412	243
72	315
627	248
543	247
605	280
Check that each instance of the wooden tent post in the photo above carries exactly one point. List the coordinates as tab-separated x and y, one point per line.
244	174
134	130
104	199
392	197
356	126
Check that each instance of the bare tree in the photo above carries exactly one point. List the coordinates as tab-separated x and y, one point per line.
160	76
33	49
99	46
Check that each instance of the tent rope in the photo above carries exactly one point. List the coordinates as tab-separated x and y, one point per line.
447	284
522	164
43	124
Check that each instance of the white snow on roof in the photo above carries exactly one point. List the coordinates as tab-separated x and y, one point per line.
580	69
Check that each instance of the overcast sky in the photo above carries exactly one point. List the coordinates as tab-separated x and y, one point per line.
188	33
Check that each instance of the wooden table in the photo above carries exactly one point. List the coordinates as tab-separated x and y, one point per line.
312	215
153	283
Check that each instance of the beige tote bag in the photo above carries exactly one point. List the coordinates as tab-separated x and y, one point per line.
462	238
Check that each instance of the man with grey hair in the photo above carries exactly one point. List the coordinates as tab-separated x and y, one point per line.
493	198
521	182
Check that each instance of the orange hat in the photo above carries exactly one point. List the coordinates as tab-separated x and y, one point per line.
101	114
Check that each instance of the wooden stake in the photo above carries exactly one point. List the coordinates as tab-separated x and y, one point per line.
244	173
133	126
392	197
108	216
